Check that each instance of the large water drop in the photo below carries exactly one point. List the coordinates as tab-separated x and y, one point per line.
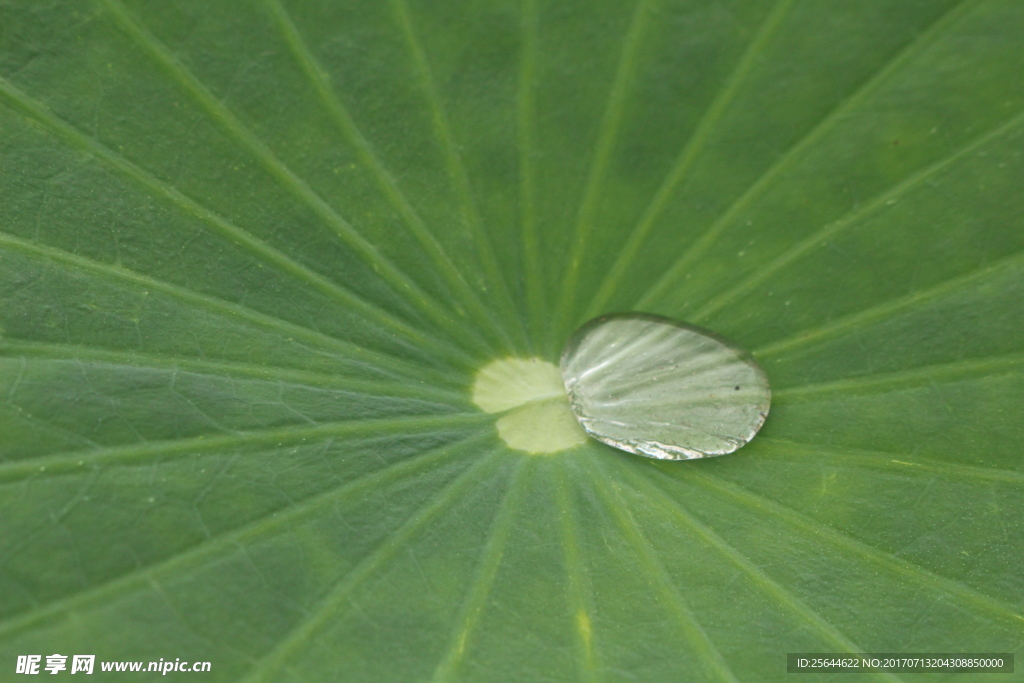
662	388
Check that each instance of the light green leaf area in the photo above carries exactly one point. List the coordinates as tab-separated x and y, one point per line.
252	255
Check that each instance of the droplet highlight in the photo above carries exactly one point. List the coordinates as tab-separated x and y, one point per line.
663	389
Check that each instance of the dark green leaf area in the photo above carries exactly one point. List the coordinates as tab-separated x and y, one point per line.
253	254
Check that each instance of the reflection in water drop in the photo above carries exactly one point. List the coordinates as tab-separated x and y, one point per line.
663	389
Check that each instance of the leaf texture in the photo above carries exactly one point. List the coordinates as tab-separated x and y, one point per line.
253	253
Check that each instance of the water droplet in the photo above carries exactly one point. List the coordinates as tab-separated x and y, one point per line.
662	388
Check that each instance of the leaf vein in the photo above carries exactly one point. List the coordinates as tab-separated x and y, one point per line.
215	305
889	308
688	155
483	581
832	229
288	179
611	122
711	658
912	49
332	601
305	378
87	459
210	547
761	579
321	82
236	235
454	164
963	594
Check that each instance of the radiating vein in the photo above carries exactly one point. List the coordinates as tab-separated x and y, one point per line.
854	216
272	373
37	112
879	312
578	591
456	169
487	570
715	666
283	518
86	459
331	603
525	103
220	307
44	426
956	371
611	122
230	123
915	47
757	576
961	593
36	525
889	463
687	156
321	83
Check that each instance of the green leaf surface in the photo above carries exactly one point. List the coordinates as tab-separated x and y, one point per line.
253	253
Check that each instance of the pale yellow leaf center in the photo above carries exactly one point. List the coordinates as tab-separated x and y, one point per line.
530	392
